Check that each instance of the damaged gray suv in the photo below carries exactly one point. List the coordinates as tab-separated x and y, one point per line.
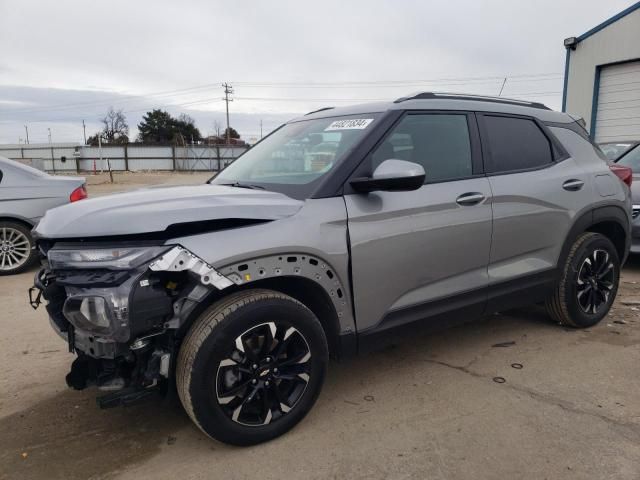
332	232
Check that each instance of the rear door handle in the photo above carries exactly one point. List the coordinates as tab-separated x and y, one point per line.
573	185
468	199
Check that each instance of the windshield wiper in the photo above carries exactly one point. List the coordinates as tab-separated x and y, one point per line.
243	185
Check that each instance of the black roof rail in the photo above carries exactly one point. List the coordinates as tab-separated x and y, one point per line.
319	110
477	98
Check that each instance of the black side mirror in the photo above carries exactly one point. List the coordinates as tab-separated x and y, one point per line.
392	176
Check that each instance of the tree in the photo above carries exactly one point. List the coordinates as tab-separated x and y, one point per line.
156	127
233	133
186	126
116	128
159	126
114	131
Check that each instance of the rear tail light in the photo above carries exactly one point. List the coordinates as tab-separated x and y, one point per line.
623	173
78	194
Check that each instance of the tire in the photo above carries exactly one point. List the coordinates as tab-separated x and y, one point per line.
592	258
218	383
16	248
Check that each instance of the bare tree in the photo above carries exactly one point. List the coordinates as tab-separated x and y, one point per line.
217	128
116	128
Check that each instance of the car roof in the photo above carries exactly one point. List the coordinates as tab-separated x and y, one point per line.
447	101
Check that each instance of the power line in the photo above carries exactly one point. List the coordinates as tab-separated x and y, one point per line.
537	77
122	99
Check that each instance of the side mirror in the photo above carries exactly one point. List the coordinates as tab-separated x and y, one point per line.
393	176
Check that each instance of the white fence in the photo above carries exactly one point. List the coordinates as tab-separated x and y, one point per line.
79	158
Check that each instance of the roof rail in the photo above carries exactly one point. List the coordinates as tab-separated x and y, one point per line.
478	98
319	110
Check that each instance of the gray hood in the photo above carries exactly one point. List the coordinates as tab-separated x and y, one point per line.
155	209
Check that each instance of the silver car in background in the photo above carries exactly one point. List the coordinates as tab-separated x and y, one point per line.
25	195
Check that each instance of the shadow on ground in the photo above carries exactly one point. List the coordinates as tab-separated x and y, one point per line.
67	436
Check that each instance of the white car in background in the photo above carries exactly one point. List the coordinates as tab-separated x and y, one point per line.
25	195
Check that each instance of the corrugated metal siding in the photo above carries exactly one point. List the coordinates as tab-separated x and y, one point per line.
618	42
618	113
138	157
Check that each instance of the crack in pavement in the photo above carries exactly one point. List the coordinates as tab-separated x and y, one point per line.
631	431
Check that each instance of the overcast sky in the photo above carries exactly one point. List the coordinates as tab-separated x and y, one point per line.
64	61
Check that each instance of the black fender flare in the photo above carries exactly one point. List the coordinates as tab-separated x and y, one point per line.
609	213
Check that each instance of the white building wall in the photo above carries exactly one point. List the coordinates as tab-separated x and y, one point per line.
619	41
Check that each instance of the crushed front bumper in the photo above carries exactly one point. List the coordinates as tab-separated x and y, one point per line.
124	325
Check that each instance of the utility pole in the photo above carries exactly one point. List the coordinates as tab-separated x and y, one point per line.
53	160
26	129
260	129
84	132
228	90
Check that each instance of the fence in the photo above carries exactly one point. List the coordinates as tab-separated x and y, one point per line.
78	158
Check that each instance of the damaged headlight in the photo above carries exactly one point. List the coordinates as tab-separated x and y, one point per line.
102	311
114	258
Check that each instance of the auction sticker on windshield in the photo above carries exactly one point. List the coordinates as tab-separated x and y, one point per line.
351	124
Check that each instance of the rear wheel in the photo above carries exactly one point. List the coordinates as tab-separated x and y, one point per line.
252	366
589	282
16	248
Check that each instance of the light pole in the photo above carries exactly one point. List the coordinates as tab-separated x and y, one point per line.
53	162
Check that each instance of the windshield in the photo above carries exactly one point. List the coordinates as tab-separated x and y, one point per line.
632	160
615	150
297	157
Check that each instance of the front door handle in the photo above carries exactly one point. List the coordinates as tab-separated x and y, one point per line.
573	185
468	199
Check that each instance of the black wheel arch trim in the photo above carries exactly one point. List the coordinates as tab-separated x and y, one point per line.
609	213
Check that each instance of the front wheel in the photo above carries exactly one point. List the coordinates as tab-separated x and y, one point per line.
251	366
588	283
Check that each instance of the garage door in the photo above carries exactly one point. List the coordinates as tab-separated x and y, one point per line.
618	114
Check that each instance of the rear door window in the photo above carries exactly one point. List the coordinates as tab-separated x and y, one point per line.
514	144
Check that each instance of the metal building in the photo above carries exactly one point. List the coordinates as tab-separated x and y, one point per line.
602	77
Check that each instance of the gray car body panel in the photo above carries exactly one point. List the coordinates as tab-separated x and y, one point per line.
318	229
410	248
26	194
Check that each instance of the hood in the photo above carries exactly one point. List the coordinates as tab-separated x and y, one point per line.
155	209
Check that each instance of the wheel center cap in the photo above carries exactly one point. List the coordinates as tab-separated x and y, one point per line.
264	373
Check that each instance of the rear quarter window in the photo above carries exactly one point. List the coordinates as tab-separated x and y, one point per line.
515	144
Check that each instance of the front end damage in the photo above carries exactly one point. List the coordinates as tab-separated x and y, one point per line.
121	310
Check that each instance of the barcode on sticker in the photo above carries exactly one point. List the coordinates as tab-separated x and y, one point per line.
352	124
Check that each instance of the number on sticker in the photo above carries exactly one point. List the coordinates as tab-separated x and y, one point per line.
352	124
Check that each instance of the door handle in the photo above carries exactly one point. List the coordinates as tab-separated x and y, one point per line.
573	185
468	199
